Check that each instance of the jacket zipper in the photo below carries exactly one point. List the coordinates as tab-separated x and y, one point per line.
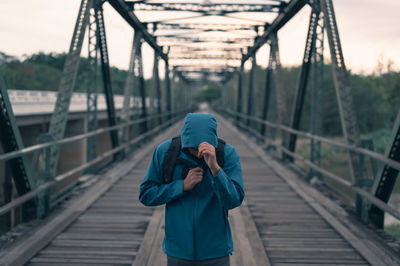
194	227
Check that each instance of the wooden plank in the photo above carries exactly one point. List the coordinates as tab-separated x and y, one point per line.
249	249
150	238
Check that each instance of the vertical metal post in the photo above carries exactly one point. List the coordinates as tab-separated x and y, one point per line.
301	91
240	90
59	117
142	88
342	86
8	191
92	91
10	139
168	85
251	89
316	95
157	85
101	40
386	176
267	90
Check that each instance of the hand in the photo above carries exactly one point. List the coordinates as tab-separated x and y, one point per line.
208	152
194	176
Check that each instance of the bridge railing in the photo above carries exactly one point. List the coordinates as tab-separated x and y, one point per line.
241	118
168	118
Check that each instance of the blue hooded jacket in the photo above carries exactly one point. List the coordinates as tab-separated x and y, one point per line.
196	221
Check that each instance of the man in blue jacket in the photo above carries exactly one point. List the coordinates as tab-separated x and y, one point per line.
197	230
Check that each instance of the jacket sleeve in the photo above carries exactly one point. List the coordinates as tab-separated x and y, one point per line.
228	183
153	191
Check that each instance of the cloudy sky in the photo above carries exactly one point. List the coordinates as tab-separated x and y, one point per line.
369	31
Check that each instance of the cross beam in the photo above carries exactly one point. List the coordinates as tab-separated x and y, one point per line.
123	9
212	9
292	8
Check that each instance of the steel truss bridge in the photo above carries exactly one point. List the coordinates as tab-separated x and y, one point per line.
284	221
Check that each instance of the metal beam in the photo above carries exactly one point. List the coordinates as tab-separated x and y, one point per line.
105	66
123	9
11	140
240	90
59	117
251	89
157	86
304	74
386	177
92	90
348	117
212	9
287	13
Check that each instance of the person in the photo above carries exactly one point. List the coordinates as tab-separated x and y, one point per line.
197	230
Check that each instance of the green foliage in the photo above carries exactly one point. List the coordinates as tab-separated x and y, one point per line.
43	71
376	97
209	93
393	230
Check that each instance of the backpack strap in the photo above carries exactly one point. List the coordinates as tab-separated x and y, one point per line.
170	159
220	152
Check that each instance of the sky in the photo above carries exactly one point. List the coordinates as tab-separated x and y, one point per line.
369	31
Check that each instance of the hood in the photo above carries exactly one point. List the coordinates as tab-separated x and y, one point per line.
199	127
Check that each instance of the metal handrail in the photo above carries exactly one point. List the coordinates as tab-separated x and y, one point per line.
15	154
359	190
363	151
27	196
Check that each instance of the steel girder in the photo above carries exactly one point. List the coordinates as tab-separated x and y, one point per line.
11	140
240	90
316	95
67	84
386	176
92	90
342	86
142	90
289	11
168	88
219	9
273	93
122	8
205	57
250	96
157	86
305	68
128	87
206	26
105	66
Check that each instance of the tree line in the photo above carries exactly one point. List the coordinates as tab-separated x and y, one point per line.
376	96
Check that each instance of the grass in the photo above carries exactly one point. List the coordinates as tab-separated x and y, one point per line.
393	230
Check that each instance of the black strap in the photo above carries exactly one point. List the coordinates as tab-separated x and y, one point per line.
171	159
220	152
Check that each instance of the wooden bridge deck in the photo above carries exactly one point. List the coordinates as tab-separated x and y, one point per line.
281	222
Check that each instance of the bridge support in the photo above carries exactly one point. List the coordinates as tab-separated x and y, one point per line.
316	95
240	90
168	86
342	87
272	95
105	67
67	84
305	69
129	87
92	89
11	140
157	86
250	97
386	176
